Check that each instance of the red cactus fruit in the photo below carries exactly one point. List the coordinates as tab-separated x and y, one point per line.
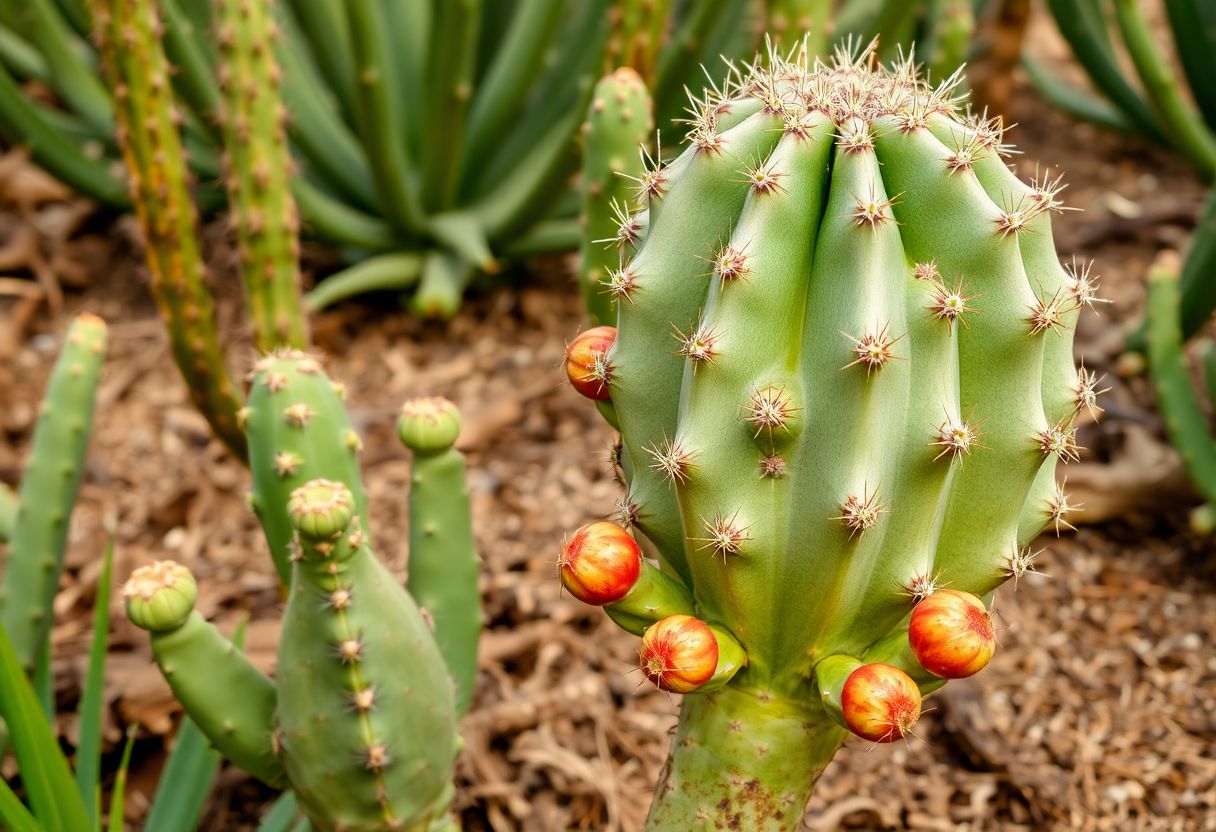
679	653
951	633
587	362
880	702
600	563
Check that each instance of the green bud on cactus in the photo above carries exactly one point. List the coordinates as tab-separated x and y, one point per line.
160	596
321	508
428	425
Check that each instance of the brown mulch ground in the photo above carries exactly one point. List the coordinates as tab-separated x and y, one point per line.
1098	713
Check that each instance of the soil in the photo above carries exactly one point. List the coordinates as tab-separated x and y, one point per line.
1098	712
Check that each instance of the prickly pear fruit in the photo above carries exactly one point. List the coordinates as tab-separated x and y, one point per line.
587	365
679	653
880	702
600	563
952	634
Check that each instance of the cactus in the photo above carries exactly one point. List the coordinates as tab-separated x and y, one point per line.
617	125
843	377
43	509
259	173
1185	420
360	720
443	556
247	100
129	35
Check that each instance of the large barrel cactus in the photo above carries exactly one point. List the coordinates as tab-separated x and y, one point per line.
843	378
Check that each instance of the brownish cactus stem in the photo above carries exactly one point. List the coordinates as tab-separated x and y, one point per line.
149	132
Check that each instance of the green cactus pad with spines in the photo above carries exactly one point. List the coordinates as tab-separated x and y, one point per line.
298	431
151	142
365	713
617	126
844	378
229	699
49	485
259	172
443	555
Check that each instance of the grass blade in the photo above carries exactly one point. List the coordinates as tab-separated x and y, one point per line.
118	797
13	814
282	815
88	749
45	774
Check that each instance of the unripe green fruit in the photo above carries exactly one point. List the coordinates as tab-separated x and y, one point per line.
428	425
160	596
321	508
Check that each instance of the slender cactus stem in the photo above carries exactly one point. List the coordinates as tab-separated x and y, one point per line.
1183	125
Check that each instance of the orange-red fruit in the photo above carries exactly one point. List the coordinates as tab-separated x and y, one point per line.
880	702
600	563
587	362
679	653
951	634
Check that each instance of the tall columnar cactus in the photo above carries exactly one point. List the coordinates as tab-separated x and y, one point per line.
843	377
617	126
128	32
259	172
246	99
360	720
37	537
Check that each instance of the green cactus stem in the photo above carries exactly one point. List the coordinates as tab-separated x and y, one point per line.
128	31
637	35
1183	125
443	555
355	649
259	173
8	512
823	422
298	431
1185	421
229	699
748	760
787	21
48	491
617	127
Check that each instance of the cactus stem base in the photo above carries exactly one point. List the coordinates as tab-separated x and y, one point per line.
742	759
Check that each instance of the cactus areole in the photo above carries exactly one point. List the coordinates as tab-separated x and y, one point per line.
843	378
